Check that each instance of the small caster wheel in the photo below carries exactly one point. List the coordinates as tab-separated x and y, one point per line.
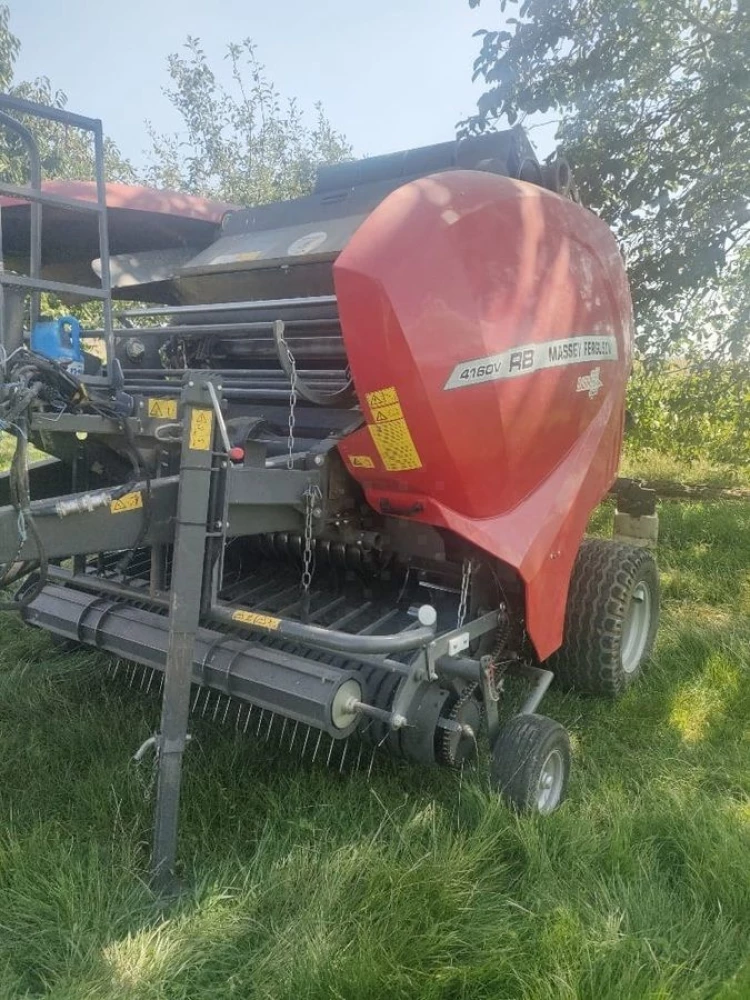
531	763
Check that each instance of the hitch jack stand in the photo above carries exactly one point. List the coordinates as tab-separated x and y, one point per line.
188	567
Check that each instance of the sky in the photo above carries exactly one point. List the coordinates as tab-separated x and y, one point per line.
391	74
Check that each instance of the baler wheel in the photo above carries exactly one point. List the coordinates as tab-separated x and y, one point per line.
531	763
611	618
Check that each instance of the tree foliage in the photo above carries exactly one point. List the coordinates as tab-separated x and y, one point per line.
64	151
241	142
652	100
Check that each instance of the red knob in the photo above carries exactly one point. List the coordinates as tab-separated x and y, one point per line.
236	454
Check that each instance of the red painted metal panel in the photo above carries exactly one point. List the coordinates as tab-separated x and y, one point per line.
517	301
136	198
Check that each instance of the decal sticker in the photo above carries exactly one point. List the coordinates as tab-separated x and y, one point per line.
533	358
237	258
130	501
162	409
307	244
390	432
395	446
201	426
590	383
253	618
362	461
382	397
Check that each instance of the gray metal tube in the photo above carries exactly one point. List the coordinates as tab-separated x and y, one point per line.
97	584
35	183
314	635
105	279
214	307
47	111
544	679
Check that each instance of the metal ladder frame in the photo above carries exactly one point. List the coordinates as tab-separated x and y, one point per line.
38	198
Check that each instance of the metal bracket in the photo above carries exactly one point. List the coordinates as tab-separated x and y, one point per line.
458	640
188	574
490	698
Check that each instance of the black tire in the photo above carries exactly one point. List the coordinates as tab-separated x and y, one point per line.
611	618
528	749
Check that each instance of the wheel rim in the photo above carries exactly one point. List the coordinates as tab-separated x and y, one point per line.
636	628
551	777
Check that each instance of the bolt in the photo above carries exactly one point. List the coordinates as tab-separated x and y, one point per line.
219	524
191	384
319	460
398	721
317	512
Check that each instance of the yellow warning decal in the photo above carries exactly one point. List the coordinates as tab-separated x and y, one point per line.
261	621
201	426
162	409
130	501
382	414
390	432
382	397
395	446
362	461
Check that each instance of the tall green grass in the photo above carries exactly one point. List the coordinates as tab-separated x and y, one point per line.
302	883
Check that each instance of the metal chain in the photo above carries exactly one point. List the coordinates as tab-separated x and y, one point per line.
292	401
463	600
312	496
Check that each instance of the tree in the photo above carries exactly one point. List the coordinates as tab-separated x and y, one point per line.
652	101
65	152
240	143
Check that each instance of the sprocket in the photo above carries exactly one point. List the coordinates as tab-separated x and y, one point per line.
457	746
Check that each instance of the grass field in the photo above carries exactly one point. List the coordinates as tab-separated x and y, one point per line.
307	884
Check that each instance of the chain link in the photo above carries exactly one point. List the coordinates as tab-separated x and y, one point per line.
468	568
292	401
312	497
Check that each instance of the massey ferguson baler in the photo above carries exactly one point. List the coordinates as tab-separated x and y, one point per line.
333	480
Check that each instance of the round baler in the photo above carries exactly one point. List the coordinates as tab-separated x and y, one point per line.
337	472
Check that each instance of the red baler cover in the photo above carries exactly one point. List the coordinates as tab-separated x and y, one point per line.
488	327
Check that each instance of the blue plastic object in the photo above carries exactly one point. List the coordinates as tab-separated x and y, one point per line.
59	339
